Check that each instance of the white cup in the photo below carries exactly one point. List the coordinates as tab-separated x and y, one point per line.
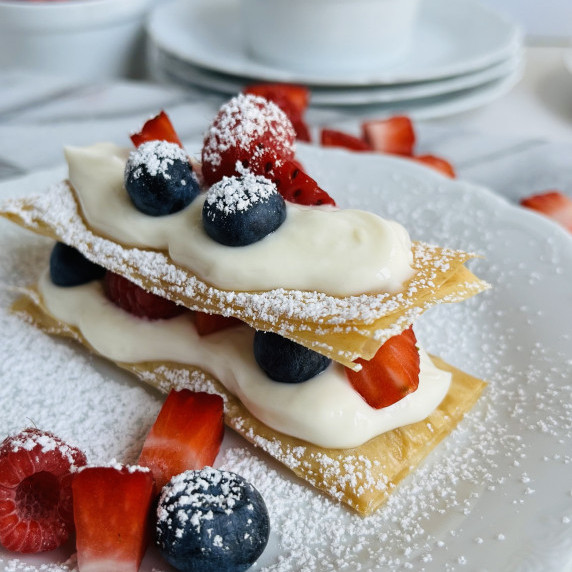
88	39
342	36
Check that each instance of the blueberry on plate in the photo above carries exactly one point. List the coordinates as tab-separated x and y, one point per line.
211	521
241	210
159	178
286	361
69	267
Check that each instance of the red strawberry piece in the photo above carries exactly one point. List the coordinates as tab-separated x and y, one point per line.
111	508
248	130
206	324
437	163
36	512
391	374
186	435
158	128
394	135
333	138
298	187
133	299
293	100
553	204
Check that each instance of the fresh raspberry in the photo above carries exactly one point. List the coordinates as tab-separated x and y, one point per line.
36	512
133	299
249	130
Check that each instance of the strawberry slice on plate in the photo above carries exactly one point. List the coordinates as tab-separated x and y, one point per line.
395	135
391	374
111	508
187	434
206	324
553	204
437	163
334	138
36	511
158	128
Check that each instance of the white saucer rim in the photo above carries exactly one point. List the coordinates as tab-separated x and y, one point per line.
354	96
254	70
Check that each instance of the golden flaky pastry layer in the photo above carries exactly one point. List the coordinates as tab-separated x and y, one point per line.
343	328
362	477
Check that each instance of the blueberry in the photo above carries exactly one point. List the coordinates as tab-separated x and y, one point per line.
159	178
286	361
242	210
69	267
211	521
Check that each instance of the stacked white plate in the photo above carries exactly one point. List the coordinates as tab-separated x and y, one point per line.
463	56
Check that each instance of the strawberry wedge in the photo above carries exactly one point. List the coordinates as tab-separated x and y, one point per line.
186	435
334	138
298	187
111	508
437	163
158	128
553	204
391	374
395	135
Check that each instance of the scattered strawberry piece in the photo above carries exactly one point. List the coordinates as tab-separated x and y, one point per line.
394	135
437	163
206	324
187	434
133	299
298	187
293	100
157	128
248	130
553	204
391	374
36	512
333	138
111	507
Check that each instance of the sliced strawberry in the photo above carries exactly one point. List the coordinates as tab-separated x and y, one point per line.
111	507
298	187
553	204
133	299
437	163
293	100
187	434
36	511
333	138
250	131
391	374
206	324
157	128
395	135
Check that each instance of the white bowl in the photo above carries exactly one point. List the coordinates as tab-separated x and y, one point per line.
332	35
88	39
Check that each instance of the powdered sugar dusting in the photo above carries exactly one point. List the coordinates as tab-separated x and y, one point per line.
507	465
233	194
155	157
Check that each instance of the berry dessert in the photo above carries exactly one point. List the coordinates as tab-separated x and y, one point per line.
319	365
36	509
211	521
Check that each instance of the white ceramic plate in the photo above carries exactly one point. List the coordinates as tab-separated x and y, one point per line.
495	495
165	67
453	37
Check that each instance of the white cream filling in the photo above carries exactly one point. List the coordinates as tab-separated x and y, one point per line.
340	252
325	410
